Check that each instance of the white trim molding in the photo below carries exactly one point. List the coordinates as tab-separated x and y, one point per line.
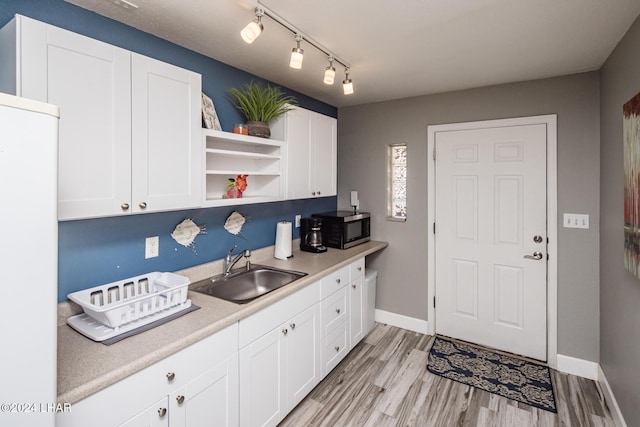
612	403
580	367
401	321
552	219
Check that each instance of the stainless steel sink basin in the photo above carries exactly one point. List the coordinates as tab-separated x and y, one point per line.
246	285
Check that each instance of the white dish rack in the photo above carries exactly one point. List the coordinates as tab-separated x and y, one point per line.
119	307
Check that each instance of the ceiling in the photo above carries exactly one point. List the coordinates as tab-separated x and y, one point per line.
396	49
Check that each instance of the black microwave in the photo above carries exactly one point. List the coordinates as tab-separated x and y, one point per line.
344	229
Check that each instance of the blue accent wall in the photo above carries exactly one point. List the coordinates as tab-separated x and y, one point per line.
98	251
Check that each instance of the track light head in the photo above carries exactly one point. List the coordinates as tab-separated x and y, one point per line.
329	72
297	54
254	28
347	83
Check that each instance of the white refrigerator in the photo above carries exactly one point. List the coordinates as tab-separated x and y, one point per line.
28	261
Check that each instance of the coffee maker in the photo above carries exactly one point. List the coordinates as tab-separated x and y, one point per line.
311	235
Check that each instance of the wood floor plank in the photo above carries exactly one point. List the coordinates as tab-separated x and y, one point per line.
384	382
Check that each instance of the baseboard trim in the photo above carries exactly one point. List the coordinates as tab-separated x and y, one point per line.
610	398
401	321
579	367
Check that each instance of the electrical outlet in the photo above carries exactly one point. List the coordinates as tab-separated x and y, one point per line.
575	221
151	247
298	221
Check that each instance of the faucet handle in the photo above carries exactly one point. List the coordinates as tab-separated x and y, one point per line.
246	253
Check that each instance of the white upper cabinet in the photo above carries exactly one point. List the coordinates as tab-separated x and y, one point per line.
312	154
166	136
129	125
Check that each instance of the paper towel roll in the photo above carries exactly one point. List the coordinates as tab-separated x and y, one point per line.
283	240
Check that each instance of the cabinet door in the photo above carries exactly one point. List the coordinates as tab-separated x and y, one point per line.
166	141
324	155
209	400
303	365
156	415
356	311
262	388
299	159
89	80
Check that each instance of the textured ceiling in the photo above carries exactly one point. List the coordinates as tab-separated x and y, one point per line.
396	49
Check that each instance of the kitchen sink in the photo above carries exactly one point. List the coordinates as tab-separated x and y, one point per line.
246	285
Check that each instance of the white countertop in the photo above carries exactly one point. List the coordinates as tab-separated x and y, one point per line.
86	367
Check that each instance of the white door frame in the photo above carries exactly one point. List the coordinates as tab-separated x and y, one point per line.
552	218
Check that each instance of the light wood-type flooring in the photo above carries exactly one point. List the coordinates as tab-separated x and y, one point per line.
384	382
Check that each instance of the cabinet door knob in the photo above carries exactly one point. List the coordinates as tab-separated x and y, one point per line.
285	331
143	205
124	206
313	193
162	412
293	326
338	281
180	399
337	349
319	193
338	310
171	376
359	268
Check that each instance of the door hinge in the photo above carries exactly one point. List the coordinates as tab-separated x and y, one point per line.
434	153
547	257
434	228
434	302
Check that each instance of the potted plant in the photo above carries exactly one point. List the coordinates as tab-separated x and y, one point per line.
260	104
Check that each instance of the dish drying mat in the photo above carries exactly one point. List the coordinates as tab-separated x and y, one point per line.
135	329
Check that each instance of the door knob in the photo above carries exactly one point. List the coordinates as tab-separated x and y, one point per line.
536	255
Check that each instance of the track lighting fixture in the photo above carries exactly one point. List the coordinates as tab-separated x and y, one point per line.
347	83
297	54
253	28
329	72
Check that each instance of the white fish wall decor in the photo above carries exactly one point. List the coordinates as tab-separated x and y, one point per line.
234	223
186	232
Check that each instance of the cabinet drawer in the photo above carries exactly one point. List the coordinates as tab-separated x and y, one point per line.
258	324
334	311
356	269
334	348
333	282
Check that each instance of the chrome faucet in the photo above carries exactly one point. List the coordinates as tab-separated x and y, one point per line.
230	261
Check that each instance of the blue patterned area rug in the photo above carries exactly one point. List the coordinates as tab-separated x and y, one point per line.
497	373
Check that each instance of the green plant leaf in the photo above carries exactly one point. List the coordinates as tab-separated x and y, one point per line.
261	103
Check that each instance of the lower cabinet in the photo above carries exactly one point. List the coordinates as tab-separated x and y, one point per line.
279	369
285	350
197	386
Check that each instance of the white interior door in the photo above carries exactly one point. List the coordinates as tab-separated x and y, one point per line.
491	237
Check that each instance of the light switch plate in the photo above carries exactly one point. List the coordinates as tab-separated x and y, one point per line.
575	221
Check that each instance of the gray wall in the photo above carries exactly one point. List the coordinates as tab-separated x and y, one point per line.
619	290
364	132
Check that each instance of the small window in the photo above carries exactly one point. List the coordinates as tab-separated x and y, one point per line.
397	182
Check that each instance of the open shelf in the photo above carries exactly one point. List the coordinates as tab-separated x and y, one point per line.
228	155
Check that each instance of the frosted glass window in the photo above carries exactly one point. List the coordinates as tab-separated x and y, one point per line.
397	182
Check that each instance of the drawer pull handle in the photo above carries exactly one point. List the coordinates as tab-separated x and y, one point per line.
162	412
293	326
180	399
285	331
171	376
338	310
337	349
